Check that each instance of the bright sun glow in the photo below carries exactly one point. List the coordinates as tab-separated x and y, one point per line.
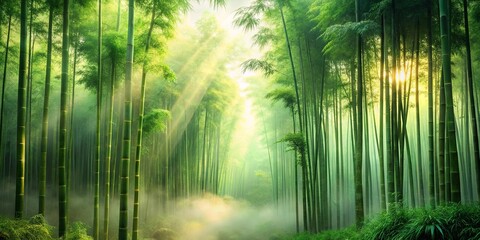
401	76
245	130
248	117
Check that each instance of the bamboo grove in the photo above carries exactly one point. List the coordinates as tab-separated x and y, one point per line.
361	106
355	76
72	62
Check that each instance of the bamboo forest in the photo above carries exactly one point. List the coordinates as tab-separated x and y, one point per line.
239	119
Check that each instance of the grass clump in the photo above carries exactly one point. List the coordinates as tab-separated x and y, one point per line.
387	225
426	226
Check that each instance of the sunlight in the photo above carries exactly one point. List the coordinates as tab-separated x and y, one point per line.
191	96
189	123
245	129
243	135
195	55
400	76
247	116
240	79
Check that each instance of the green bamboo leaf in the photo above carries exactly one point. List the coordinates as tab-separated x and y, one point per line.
258	65
156	121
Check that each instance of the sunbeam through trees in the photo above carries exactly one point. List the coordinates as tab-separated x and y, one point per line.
250	119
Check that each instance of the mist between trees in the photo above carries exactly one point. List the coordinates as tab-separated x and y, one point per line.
137	122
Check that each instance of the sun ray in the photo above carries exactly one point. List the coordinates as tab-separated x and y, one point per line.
192	94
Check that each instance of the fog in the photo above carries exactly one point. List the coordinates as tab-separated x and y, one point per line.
212	217
207	217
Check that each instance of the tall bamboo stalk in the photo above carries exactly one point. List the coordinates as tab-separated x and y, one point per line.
62	171
141	113
450	117
359	211
43	162
96	215
21	113
127	129
381	152
431	146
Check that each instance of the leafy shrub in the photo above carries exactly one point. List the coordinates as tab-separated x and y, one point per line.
452	221
77	231
387	225
464	221
425	226
34	229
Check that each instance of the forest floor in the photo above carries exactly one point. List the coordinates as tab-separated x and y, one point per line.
459	222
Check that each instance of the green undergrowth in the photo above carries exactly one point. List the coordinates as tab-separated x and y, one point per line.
346	233
452	222
77	231
36	228
33	229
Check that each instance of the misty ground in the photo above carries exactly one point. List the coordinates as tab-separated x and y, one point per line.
208	217
211	218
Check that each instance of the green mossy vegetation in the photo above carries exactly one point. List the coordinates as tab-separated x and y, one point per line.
459	222
36	228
